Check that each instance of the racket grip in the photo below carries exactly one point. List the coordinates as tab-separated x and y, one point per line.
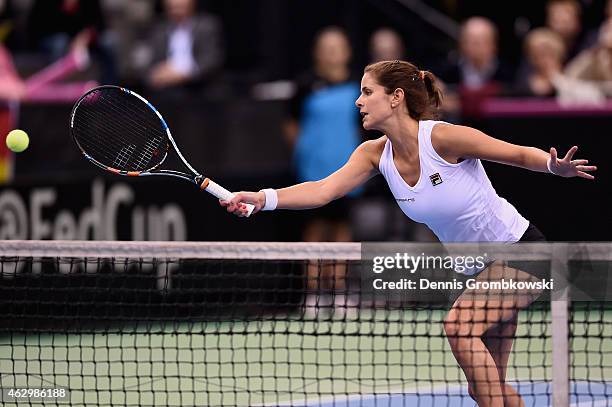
217	190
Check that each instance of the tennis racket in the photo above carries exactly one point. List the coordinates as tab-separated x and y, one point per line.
121	132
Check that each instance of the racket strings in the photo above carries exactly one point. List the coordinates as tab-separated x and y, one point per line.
116	129
134	104
105	141
146	122
123	158
92	146
96	121
99	129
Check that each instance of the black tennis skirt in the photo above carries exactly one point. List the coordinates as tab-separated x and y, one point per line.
538	269
532	234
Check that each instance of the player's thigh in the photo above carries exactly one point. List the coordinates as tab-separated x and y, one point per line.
499	340
478	310
487	288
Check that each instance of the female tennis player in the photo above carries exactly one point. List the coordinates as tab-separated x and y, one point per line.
435	174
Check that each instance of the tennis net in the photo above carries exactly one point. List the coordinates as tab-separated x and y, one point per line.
273	324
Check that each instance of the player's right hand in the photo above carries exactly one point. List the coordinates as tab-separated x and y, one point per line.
237	206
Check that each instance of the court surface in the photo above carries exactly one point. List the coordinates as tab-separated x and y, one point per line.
534	394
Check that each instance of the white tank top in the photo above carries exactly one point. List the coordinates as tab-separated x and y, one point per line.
456	201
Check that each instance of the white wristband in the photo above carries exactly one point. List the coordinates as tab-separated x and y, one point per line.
271	199
548	162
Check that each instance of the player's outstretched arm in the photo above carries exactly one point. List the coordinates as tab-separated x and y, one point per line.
362	165
457	142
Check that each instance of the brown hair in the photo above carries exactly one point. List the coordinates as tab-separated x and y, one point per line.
422	94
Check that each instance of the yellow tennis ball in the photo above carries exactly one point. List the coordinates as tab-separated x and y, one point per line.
17	140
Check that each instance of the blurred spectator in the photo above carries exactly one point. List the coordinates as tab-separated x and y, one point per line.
58	26
11	85
564	18
46	84
478	64
595	64
324	129
386	45
545	52
478	73
187	47
41	86
131	22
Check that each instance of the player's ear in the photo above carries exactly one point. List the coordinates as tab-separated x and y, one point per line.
397	97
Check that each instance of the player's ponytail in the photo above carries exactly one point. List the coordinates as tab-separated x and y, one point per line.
433	90
422	94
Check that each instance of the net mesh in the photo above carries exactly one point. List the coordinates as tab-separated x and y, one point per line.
246	324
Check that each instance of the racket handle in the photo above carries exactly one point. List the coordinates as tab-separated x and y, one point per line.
217	190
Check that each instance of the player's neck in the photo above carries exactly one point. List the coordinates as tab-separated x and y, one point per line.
403	131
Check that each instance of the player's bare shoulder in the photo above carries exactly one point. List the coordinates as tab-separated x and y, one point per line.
442	137
372	150
442	131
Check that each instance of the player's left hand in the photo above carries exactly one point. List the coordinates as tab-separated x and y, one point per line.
566	167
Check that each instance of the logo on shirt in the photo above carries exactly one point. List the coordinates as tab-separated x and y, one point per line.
436	179
404	199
